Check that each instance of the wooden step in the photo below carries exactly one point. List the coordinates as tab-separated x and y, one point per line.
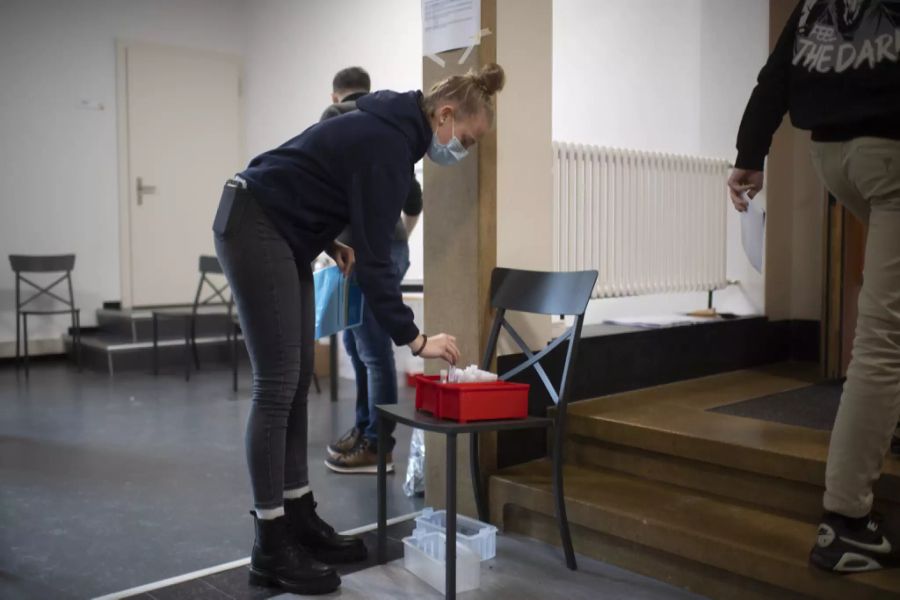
706	543
670	427
137	324
797	499
115	353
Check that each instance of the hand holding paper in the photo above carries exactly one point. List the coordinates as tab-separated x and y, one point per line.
753	231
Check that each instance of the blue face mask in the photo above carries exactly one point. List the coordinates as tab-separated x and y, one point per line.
447	154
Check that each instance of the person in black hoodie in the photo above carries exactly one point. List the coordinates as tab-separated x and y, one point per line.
836	67
369	346
274	218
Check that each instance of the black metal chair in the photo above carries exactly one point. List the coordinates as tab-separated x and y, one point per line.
64	263
565	294
216	300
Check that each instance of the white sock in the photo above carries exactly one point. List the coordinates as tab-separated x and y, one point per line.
296	493
267	514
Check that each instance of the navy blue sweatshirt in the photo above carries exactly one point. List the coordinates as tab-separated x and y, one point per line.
351	170
836	67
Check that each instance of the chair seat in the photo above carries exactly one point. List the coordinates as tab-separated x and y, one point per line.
62	311
408	415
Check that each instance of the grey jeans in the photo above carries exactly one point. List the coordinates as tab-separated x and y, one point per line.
275	299
864	175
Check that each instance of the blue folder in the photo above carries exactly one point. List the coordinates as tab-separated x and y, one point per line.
339	302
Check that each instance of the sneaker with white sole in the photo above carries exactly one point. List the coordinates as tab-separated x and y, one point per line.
846	545
362	458
344	444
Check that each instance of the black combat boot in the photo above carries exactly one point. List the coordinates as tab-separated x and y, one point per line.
318	537
276	561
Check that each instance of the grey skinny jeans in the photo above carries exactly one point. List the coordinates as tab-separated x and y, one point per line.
276	304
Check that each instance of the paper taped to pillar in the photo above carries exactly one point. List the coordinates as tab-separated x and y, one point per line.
339	302
449	24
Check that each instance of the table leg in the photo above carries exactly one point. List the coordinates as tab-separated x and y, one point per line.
333	357
450	583
382	489
155	345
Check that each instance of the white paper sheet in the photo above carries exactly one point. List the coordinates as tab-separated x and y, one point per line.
449	24
753	232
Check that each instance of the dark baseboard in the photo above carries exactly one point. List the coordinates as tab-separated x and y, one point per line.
10	361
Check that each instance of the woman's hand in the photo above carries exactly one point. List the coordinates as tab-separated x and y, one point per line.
343	255
437	346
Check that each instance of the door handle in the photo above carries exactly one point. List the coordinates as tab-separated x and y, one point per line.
143	189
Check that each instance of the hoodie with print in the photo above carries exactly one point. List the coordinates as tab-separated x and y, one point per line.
836	68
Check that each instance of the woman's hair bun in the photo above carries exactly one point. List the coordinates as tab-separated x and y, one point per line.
491	78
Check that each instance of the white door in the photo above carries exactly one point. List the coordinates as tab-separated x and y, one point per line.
183	118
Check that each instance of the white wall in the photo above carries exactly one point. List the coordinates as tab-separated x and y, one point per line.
58	162
295	48
663	75
653	74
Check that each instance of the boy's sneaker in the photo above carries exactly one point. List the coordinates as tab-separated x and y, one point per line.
846	545
362	458
344	444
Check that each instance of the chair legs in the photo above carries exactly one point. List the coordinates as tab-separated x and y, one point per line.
193	334
187	349
25	340
18	338
76	338
316	383
559	497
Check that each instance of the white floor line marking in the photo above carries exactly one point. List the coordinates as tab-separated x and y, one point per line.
147	587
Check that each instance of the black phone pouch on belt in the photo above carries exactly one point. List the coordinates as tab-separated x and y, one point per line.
231	209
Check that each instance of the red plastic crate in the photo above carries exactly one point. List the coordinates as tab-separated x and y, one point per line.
412	378
464	402
427	391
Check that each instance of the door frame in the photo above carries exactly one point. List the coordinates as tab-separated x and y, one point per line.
832	304
126	290
844	241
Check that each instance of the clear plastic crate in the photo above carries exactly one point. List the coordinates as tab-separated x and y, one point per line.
480	538
425	557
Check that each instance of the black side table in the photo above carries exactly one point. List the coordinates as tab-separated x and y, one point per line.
408	415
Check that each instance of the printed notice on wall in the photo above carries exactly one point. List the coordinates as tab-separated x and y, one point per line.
449	24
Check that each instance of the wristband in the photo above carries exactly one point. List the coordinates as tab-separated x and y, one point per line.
422	347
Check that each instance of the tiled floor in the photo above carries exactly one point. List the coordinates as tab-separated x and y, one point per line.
523	569
112	483
231	584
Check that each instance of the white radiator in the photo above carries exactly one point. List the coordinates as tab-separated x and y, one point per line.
648	222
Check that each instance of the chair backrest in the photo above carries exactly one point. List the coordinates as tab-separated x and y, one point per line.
564	294
57	263
209	265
